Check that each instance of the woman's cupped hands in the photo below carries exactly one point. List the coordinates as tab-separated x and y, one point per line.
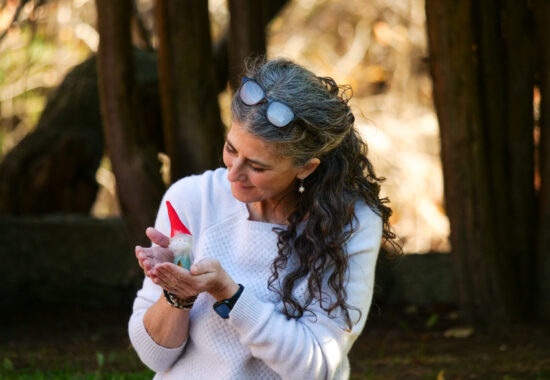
148	258
205	276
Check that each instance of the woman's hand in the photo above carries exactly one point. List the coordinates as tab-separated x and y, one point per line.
205	276
149	257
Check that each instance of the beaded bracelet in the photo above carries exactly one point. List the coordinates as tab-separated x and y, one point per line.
179	303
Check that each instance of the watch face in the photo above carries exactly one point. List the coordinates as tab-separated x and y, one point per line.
223	310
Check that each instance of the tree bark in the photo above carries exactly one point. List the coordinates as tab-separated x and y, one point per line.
193	129
221	51
247	34
542	12
482	67
137	170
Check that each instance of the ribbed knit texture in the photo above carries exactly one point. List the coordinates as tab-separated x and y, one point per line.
257	341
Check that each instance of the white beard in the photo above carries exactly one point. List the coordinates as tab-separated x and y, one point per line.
181	244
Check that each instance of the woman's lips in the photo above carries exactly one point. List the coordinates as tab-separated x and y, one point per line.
243	187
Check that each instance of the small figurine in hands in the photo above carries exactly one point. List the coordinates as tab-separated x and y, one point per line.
180	239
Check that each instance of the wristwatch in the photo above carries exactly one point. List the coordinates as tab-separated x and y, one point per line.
224	307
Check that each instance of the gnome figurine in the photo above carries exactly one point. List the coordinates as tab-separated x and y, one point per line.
180	239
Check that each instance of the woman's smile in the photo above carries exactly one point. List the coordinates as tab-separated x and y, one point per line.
243	186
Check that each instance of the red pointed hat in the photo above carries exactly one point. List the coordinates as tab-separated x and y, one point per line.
175	223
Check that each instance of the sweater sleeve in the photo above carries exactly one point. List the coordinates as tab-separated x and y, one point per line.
155	356
313	347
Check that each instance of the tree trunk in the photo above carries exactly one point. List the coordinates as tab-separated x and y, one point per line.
481	63
193	129
53	168
247	34
221	51
137	170
542	12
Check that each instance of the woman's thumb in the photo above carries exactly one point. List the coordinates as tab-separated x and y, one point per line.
197	268
202	267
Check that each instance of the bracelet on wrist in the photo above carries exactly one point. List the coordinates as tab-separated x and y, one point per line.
179	303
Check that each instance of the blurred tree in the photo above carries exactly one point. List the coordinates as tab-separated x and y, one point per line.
190	77
483	67
247	34
53	169
133	154
193	130
247	37
249	19
191	74
542	13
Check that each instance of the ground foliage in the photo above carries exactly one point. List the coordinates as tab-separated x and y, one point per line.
406	343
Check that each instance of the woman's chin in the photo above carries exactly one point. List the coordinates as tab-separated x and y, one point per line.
245	194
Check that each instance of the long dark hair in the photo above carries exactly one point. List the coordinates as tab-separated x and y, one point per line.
323	128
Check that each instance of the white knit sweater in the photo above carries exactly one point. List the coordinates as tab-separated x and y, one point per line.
257	341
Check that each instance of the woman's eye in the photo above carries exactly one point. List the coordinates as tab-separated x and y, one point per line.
259	170
229	149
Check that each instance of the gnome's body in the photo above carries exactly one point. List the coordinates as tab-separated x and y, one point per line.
180	239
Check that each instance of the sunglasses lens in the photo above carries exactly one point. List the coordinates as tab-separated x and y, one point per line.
279	114
251	93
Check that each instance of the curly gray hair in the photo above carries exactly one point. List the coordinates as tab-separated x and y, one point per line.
323	128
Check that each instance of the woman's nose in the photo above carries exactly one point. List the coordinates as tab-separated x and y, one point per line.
235	171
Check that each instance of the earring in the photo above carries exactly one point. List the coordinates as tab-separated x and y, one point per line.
301	189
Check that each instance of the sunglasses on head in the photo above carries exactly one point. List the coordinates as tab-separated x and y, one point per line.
278	113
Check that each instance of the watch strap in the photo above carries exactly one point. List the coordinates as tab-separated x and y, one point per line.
223	307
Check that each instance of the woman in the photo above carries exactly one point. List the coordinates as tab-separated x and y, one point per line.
285	241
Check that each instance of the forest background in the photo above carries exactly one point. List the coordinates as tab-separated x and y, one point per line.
381	50
483	66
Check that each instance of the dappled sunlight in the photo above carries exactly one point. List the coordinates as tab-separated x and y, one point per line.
414	181
35	55
378	48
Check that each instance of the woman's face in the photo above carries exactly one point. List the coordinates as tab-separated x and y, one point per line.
256	172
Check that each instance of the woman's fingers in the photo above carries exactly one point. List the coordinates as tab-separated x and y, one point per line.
154	255
173	279
148	258
157	237
162	255
205	266
144	258
166	274
209	276
138	250
206	275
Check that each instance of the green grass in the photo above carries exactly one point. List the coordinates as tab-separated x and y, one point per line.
74	374
116	365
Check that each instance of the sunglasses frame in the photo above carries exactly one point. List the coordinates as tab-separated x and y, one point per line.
265	99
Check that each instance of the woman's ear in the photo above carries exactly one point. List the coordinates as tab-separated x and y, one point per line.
308	168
